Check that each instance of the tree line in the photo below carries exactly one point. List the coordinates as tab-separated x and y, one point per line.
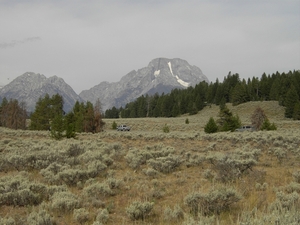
85	117
284	88
49	115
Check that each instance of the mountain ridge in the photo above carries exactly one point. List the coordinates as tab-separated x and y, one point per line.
160	76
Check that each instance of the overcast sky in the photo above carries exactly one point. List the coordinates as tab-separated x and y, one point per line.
87	42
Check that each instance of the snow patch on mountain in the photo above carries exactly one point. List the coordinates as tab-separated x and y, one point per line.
183	83
170	66
156	73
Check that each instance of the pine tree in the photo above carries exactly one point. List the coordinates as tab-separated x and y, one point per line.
88	121
3	112
57	127
266	125
70	125
239	94
290	101
46	110
296	112
227	122
211	126
79	110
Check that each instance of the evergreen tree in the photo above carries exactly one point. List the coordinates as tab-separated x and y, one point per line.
79	111
228	122
88	121
274	91
265	86
3	112
70	125
296	112
266	125
239	94
141	105
41	118
57	127
290	101
211	126
175	110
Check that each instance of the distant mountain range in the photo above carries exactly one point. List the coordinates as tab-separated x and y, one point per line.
160	76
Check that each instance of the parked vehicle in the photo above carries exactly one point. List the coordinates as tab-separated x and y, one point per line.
123	128
245	128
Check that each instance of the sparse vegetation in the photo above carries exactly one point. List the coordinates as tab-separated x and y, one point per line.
150	177
166	128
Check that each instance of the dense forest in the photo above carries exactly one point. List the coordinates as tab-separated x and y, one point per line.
284	87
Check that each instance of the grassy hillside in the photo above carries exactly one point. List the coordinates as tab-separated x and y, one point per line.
146	176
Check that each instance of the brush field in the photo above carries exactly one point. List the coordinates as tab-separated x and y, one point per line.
147	176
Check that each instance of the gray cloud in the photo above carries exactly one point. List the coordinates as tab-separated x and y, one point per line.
13	43
89	42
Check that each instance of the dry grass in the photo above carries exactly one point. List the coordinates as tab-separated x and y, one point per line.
190	143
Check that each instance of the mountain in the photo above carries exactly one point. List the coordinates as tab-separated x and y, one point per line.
160	76
29	87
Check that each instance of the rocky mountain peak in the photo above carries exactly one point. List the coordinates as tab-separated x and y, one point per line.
29	87
161	75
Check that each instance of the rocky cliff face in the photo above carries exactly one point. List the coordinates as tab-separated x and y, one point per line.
161	75
29	87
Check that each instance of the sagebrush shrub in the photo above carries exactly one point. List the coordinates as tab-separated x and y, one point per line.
64	202
135	157
95	168
97	189
165	164
139	210
150	172
213	202
209	174
296	176
19	191
173	215
39	218
102	216
288	201
271	217
81	215
231	166
74	150
7	221
114	183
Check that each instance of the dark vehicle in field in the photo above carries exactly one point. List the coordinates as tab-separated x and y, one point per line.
123	128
